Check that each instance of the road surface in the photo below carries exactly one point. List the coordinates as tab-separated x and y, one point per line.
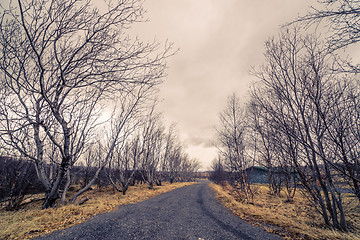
190	212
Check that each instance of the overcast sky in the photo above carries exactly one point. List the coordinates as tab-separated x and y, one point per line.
219	42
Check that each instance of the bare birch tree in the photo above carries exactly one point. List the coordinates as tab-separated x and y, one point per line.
341	19
263	133
298	81
231	136
60	61
153	145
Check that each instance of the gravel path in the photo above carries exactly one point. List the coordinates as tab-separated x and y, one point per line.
190	212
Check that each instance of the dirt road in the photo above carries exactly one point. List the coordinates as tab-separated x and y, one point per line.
186	213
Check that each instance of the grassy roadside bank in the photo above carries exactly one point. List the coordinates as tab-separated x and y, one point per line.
292	220
31	221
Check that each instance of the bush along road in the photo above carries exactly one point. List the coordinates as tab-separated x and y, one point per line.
190	212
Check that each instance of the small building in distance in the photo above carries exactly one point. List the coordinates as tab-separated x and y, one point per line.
257	174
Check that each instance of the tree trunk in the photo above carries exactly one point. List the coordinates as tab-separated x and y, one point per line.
66	188
52	194
84	189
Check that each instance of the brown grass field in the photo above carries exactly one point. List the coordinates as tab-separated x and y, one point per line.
32	221
292	220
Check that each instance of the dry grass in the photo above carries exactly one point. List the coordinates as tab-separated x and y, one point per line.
32	221
293	220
